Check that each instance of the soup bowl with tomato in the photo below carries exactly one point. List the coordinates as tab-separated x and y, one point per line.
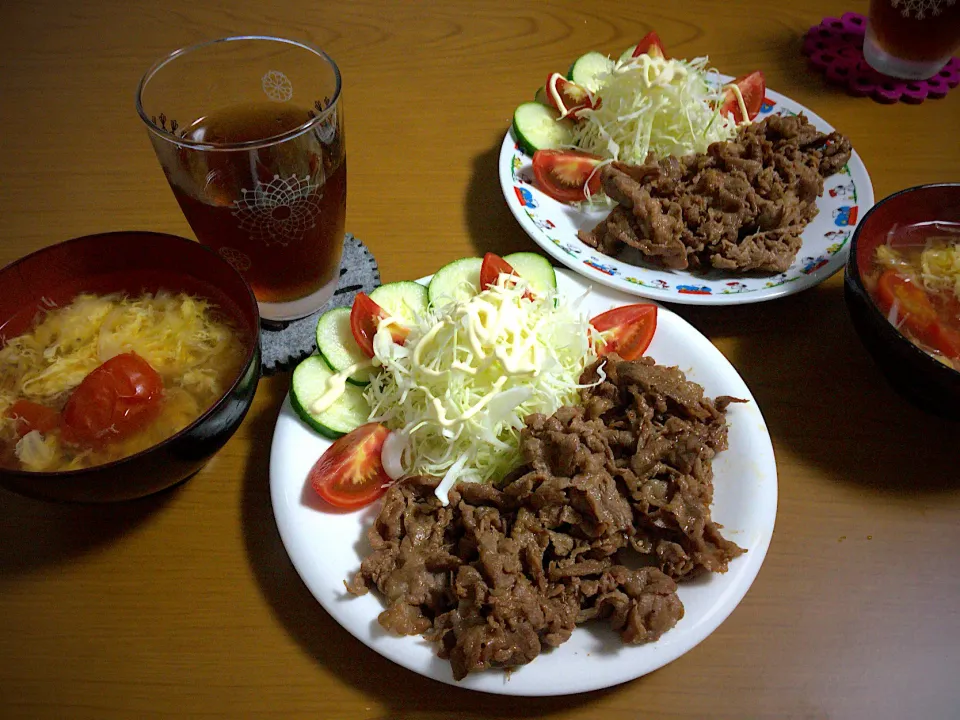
902	288
127	360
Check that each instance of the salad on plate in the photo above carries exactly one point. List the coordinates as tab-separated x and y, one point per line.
626	110
536	469
437	379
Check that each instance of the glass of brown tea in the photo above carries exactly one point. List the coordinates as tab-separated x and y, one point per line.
911	39
249	132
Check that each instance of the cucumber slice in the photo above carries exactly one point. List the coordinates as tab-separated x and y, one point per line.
587	70
539	127
309	382
406	300
456	282
535	269
337	346
627	54
541	96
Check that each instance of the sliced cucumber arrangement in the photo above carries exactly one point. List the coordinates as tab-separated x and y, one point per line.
346	408
535	269
456	282
406	300
336	344
587	70
541	96
539	127
310	380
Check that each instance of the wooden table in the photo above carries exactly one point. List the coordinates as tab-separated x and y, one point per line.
186	605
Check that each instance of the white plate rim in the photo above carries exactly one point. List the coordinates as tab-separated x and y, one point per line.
298	524
824	264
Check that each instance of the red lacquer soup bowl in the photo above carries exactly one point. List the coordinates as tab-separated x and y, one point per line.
134	263
917	375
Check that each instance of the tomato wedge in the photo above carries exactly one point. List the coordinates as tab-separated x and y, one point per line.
753	87
568	97
564	175
918	314
649	45
492	268
628	330
365	316
29	416
350	473
116	400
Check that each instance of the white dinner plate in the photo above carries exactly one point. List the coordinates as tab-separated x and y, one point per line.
553	225
326	547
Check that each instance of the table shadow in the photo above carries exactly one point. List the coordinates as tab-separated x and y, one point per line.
491	225
825	399
330	645
37	533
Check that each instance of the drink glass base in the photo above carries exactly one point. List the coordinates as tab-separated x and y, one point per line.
887	64
299	308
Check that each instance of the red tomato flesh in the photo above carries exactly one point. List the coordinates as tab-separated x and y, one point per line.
628	330
753	87
31	416
649	45
564	175
492	268
567	97
116	400
350	473
917	313
365	316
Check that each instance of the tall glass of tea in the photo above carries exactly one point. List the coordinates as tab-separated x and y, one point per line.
911	39
249	132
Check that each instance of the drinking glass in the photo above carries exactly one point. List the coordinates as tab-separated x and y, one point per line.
249	133
911	39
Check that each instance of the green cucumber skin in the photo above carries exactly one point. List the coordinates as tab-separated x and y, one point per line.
326	341
539	127
332	422
404	299
591	64
534	268
449	283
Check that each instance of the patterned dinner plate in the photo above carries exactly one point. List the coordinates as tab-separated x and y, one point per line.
847	196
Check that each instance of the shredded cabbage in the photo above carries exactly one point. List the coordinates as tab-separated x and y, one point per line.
654	105
469	373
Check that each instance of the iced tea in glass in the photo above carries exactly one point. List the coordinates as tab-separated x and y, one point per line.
249	132
911	39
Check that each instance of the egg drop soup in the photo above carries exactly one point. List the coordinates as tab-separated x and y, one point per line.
915	281
110	375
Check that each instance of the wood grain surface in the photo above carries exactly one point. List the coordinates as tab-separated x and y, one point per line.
186	605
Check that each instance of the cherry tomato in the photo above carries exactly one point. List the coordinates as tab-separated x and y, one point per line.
568	97
753	87
649	45
918	314
29	416
365	316
564	174
628	330
350	473
116	400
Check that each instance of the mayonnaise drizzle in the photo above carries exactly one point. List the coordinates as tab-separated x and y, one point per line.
743	105
335	386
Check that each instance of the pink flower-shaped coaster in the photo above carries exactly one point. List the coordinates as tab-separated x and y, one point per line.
835	47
